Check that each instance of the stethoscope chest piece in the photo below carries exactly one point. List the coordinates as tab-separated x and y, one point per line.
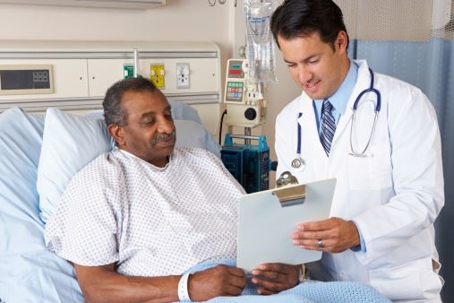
298	164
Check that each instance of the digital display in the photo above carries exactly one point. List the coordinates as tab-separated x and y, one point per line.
235	70
25	79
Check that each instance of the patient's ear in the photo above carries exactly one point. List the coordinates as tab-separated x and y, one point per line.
116	132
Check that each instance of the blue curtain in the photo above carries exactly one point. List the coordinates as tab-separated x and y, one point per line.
428	65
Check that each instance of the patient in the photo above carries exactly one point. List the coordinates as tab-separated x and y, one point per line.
134	220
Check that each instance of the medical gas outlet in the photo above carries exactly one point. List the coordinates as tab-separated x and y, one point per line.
157	73
128	71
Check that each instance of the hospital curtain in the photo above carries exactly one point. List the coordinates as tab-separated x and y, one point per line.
413	40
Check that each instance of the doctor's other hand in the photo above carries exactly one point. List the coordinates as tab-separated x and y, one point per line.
332	235
221	280
272	278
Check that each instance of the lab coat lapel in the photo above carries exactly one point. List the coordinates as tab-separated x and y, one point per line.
311	145
307	120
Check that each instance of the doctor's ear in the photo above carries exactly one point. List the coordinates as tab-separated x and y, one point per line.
117	133
341	41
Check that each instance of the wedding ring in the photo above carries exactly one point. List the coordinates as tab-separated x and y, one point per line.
320	243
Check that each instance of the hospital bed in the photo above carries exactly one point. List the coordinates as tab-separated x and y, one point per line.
39	155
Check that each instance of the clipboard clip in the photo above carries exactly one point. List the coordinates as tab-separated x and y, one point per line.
292	195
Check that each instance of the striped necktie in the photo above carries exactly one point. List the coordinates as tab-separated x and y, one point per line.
328	126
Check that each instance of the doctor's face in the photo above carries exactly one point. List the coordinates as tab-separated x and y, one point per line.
150	131
315	65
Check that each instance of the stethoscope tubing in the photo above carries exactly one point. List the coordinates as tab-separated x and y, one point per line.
298	147
373	90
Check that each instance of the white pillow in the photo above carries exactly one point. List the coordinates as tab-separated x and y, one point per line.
70	142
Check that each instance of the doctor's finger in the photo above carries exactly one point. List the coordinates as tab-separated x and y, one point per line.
313	244
315	225
311	235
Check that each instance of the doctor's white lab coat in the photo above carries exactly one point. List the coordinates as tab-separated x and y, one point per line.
393	195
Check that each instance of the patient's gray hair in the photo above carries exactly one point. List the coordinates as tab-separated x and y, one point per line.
113	112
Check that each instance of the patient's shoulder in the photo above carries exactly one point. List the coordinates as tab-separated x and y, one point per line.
98	170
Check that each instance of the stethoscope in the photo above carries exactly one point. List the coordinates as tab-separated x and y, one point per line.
299	163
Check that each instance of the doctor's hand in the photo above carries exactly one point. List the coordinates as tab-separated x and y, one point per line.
221	280
272	278
332	235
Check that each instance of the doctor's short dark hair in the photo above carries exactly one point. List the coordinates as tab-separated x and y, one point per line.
113	112
301	18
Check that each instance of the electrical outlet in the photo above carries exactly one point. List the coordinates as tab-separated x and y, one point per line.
183	72
157	74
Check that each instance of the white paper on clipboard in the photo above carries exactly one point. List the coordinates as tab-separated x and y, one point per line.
266	223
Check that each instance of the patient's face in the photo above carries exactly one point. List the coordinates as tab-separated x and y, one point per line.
150	133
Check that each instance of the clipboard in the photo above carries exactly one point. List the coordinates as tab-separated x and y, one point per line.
268	218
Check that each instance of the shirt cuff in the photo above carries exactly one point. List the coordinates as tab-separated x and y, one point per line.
362	246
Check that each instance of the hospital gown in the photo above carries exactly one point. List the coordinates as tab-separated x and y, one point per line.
149	221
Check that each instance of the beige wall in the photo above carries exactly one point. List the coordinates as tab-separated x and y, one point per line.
177	20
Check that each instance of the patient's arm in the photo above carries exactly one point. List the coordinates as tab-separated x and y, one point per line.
103	284
272	278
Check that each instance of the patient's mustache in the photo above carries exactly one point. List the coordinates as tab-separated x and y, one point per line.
164	137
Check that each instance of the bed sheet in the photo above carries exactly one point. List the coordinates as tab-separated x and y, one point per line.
28	271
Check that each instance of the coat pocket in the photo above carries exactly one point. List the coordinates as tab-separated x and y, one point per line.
371	172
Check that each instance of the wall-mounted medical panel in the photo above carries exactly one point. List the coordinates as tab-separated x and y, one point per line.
71	81
83	71
203	74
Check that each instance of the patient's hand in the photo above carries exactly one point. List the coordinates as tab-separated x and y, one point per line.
272	278
221	280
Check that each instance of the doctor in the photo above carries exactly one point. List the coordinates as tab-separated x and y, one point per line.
379	137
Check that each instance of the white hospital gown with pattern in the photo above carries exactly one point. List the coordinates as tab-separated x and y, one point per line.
149	221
